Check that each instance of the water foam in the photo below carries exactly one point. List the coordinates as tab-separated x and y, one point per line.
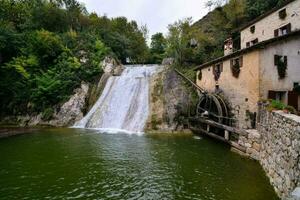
123	106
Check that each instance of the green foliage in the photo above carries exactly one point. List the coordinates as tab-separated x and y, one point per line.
23	65
47	114
157	48
47	48
281	69
46	45
278	105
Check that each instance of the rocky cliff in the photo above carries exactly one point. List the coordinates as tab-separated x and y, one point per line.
169	102
78	104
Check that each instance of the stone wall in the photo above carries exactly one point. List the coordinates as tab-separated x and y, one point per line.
252	143
280	149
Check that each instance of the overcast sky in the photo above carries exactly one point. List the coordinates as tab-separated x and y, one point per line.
157	14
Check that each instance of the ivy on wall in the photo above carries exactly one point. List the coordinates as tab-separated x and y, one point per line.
281	68
281	64
235	70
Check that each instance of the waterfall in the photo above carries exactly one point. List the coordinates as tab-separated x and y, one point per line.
124	103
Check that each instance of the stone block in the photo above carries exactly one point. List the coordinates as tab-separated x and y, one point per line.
256	146
248	145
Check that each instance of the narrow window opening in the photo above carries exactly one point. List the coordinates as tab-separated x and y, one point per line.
252	29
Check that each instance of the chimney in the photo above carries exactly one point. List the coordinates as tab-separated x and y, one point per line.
228	46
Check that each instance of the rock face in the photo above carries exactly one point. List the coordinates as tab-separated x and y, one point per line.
77	105
167	61
168	100
111	66
72	110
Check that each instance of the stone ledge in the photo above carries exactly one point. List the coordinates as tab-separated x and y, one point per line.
293	117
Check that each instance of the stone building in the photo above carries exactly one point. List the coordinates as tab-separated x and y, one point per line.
267	66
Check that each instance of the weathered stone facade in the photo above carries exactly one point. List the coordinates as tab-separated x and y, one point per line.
264	28
257	76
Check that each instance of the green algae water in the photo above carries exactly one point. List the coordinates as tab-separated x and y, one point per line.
83	164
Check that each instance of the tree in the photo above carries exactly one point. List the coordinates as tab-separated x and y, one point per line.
157	47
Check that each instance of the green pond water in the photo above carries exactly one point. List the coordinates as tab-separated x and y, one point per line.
82	164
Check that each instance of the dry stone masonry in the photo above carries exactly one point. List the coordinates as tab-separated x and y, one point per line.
276	145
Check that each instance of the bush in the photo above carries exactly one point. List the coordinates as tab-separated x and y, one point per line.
278	105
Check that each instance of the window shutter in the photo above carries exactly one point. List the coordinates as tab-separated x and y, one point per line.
276	59
289	28
285	60
293	99
276	32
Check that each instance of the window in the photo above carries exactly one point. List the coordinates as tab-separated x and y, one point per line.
283	30
278	95
217	70
282	14
248	44
279	58
219	67
296	84
253	42
252	29
235	66
237	62
281	63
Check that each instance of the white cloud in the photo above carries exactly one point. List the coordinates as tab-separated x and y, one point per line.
157	14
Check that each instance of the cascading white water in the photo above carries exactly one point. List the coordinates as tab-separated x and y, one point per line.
124	103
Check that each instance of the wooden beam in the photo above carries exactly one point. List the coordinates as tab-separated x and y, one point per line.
218	125
226	135
233	144
190	81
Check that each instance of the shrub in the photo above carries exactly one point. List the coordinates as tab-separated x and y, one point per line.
47	114
278	105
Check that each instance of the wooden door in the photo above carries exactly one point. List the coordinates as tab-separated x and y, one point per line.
293	99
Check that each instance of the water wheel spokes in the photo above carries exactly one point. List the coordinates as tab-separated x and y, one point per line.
213	107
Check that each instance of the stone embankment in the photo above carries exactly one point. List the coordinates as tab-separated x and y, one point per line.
276	145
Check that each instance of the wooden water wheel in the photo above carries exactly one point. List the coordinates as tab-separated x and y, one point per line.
214	107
